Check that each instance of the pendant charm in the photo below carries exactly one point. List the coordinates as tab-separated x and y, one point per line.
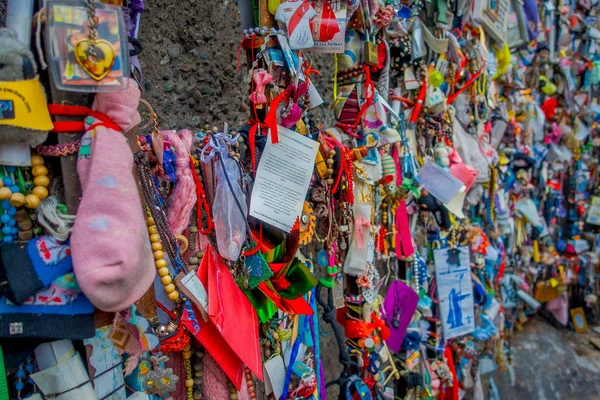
96	59
343	245
158	380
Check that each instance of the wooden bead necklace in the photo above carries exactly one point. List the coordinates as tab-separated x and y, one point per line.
159	260
187	365
11	190
198	368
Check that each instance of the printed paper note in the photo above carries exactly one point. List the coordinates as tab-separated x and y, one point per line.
593	216
453	274
282	179
329	26
439	182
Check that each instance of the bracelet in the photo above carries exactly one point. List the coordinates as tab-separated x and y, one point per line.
354	298
59	150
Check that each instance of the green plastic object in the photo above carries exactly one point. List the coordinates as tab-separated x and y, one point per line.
3	384
442	9
301	281
265	308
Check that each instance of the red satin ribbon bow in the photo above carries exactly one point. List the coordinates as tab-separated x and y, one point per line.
270	124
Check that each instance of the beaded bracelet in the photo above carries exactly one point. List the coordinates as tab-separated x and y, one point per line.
264	31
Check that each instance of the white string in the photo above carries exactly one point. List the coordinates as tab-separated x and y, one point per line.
38	39
217	143
57	224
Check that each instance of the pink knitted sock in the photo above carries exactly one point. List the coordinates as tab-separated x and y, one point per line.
112	259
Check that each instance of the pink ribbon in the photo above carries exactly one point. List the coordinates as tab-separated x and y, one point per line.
384	17
404	244
360	223
261	79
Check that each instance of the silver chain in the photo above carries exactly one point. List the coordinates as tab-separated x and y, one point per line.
93	25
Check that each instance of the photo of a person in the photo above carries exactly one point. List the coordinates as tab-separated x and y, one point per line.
325	25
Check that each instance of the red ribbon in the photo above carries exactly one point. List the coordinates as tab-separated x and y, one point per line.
68	126
370	87
419	103
270	124
469	83
450	393
78	126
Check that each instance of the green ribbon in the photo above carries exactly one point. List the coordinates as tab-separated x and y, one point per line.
409	186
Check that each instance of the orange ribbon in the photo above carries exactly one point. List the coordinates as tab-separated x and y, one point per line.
361	329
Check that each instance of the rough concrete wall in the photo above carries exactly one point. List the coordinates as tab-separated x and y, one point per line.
190	64
3	12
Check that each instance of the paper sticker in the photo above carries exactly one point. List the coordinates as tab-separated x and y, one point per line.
388	393
453	274
193	289
274	373
329	26
104	356
282	179
528	299
439	182
67	377
291	59
593	216
338	292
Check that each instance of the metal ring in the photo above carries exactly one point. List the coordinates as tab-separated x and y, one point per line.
150	111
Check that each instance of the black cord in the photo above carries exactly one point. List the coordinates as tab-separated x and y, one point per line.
329	316
137	46
55	395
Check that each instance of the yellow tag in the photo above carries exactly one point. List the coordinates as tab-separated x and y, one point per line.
413	360
23	104
321	165
553	282
301	127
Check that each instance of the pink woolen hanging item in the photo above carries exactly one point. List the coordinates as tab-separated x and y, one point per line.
112	259
183	198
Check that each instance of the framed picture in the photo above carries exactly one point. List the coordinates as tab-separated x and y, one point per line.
516	25
492	16
578	319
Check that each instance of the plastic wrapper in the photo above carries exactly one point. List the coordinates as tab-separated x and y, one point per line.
230	223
